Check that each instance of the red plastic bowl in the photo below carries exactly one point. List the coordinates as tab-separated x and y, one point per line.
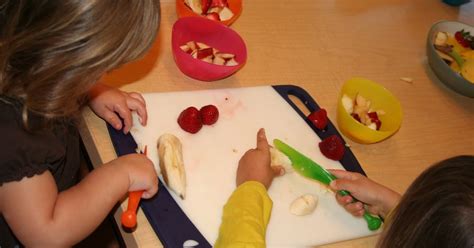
213	34
184	11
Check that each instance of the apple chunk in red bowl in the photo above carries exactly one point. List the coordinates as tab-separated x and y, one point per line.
204	32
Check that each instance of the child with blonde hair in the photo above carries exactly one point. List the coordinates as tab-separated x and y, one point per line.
52	53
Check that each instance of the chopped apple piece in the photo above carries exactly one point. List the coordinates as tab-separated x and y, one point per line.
226	14
231	62
186	49
194	54
201	45
207	59
204	53
194	5
348	103
226	55
218	60
191	45
214	10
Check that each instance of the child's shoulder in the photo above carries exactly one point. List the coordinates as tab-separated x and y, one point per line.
23	153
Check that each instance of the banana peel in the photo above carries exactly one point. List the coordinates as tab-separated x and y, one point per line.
170	154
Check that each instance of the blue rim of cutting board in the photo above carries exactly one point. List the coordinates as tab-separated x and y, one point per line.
169	222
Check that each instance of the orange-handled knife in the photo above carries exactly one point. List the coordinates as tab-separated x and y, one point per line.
129	217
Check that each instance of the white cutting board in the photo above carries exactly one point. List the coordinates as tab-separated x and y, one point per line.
211	157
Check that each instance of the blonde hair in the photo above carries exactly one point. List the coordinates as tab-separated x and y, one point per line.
52	52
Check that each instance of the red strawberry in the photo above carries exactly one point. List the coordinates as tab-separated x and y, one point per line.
205	4
461	38
332	147
190	120
209	114
374	117
213	16
319	118
219	3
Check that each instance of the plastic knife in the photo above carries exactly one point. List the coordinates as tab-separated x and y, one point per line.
310	169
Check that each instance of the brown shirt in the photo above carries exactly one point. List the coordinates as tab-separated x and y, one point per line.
23	153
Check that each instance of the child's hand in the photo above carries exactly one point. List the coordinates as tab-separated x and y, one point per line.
379	199
110	103
141	173
255	164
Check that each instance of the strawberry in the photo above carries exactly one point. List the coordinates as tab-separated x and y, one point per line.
209	114
219	3
190	120
462	38
213	16
374	117
332	147
205	4
319	118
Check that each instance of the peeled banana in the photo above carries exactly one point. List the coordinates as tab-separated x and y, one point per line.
171	163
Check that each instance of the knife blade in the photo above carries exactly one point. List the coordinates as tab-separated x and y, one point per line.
310	169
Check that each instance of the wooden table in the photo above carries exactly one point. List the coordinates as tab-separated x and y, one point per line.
318	45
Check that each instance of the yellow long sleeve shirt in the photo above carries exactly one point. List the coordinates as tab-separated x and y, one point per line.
245	217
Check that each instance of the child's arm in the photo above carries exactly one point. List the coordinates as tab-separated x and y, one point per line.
40	216
247	212
112	105
379	199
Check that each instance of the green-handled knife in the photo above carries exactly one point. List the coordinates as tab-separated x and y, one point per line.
310	169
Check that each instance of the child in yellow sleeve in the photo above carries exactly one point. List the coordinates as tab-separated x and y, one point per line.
247	212
437	210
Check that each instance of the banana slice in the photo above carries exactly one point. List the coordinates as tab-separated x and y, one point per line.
171	163
304	205
279	158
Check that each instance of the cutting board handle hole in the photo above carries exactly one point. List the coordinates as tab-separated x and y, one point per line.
299	104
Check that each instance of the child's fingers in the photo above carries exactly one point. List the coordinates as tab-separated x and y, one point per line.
138	106
342	174
278	170
137	96
356	208
112	119
262	143
344	184
344	200
126	115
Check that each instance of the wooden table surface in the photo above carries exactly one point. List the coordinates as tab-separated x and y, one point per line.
318	45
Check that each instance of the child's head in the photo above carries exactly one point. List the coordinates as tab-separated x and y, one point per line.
437	210
52	52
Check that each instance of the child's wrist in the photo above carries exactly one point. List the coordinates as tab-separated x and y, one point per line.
390	202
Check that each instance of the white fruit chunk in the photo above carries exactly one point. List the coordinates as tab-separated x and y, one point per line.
195	5
171	163
441	38
348	103
225	14
279	158
231	62
303	205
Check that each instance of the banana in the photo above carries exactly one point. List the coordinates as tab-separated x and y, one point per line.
279	158
171	163
304	205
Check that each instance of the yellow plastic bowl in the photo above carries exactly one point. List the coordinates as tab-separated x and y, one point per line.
381	99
